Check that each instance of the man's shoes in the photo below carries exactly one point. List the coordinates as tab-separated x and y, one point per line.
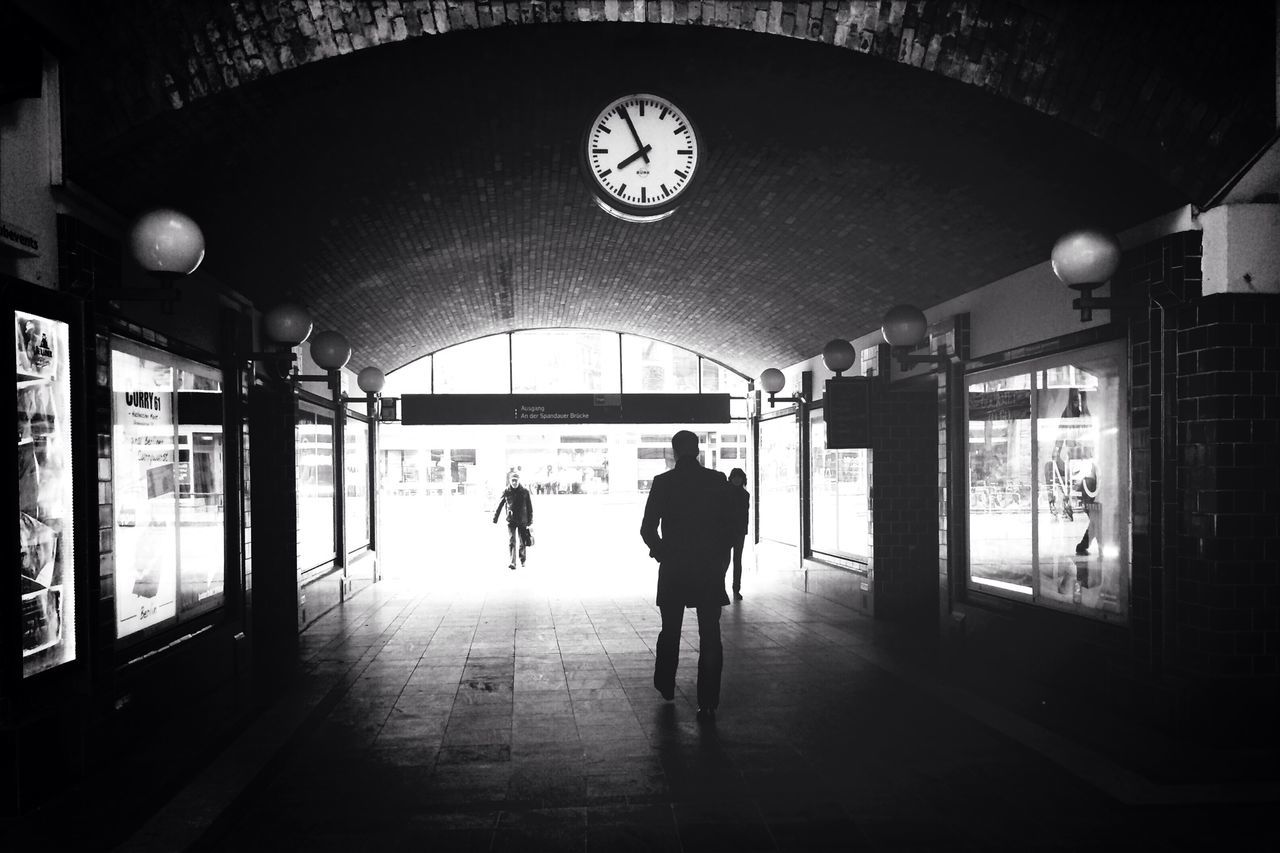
522	564
706	715
737	595
511	566
668	693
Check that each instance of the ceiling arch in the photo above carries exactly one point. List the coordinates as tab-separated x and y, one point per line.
428	192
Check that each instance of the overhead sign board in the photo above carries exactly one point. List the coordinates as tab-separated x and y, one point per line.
543	409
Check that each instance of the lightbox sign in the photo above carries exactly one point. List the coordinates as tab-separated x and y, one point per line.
543	409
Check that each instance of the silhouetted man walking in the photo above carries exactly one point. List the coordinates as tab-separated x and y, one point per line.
692	505
519	517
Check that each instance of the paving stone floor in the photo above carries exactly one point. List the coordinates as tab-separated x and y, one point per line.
509	719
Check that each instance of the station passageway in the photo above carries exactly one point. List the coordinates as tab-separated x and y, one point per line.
515	711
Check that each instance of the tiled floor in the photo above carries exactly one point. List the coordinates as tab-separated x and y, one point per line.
511	720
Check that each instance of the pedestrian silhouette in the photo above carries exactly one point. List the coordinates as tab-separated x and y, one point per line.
519	517
740	502
692	506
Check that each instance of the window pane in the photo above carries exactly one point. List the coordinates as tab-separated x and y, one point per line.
779	497
721	380
315	489
1069	547
840	505
1083	532
482	366
201	492
356	463
167	474
1000	546
652	367
413	378
565	361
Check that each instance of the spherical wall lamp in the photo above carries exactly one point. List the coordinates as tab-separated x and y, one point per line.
287	323
1086	256
904	326
772	380
1086	259
330	350
371	380
167	243
838	355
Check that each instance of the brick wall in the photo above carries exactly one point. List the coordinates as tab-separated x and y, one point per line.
1112	70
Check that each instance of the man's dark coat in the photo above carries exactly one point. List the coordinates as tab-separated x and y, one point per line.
693	506
519	507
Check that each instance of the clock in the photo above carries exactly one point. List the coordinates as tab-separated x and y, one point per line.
642	154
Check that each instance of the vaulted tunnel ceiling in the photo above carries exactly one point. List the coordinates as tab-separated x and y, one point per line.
423	193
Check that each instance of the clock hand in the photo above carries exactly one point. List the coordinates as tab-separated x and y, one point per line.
622	111
643	152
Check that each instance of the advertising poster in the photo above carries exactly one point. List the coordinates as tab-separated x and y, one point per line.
144	459
45	558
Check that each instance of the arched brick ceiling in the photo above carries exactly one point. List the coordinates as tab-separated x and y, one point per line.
427	192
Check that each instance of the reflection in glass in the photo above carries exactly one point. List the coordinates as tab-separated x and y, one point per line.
46	559
565	361
1000	483
355	458
840	505
167	472
314	454
1048	482
779	471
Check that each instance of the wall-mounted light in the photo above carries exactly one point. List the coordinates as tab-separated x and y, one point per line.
1084	260
904	328
331	352
839	355
371	381
167	245
773	381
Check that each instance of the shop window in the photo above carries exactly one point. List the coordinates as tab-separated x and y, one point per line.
316	507
779	472
168	482
1048	481
356	462
840	496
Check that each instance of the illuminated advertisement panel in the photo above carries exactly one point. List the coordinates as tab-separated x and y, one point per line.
46	557
167	473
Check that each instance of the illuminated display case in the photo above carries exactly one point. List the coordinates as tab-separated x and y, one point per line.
44	593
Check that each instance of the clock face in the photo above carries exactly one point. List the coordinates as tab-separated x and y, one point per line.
642	154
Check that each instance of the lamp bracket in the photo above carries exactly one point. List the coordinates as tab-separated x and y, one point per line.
906	359
1086	301
795	397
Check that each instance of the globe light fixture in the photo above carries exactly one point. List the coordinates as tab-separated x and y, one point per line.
773	381
1086	259
330	350
839	355
166	242
904	328
287	323
371	380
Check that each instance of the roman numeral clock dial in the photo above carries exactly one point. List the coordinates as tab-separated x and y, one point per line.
641	155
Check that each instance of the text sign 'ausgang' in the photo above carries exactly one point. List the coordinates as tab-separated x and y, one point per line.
543	409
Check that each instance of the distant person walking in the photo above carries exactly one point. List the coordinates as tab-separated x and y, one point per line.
692	505
740	500
519	517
